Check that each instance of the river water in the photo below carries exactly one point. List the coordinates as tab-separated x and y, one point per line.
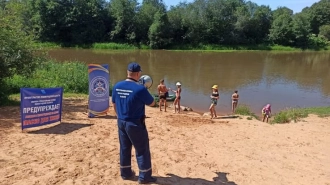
283	79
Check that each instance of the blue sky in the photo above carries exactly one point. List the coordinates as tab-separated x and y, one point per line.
295	5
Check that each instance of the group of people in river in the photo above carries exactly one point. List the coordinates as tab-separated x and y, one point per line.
163	94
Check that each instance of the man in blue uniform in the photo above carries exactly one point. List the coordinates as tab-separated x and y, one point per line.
129	99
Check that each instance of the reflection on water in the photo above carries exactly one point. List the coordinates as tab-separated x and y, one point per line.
282	79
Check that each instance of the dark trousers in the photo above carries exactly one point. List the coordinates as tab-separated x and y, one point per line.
134	134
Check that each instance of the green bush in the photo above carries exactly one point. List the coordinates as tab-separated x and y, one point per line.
113	46
44	45
17	53
317	43
72	76
214	47
283	48
245	111
320	111
288	115
295	114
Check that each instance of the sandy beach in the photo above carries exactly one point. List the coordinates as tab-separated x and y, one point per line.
186	149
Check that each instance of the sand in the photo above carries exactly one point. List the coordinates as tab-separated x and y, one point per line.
186	149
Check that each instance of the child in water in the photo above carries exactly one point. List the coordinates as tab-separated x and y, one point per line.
177	97
266	111
214	101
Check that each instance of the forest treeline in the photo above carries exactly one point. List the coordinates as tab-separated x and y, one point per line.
152	23
86	23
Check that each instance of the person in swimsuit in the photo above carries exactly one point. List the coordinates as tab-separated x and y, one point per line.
162	90
214	101
266	111
234	102
177	97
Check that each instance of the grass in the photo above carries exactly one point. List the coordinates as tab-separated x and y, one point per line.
110	46
183	47
117	46
296	114
15	99
288	115
320	111
283	48
46	45
113	46
72	76
245	110
227	48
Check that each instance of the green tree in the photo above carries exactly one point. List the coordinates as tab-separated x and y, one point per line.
195	20
177	23
145	18
282	10
124	15
253	23
67	22
220	21
325	31
16	51
262	20
301	30
56	21
281	29
319	15
90	21
3	4
159	32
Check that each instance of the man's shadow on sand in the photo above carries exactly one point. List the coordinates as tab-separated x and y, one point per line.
172	179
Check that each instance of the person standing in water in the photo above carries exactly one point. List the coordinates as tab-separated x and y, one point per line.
214	101
234	102
162	90
177	97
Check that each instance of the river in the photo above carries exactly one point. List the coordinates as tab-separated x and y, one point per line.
283	79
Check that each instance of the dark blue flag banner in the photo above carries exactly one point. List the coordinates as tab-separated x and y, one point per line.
98	100
40	106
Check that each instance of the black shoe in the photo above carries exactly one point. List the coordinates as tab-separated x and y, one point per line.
152	179
130	177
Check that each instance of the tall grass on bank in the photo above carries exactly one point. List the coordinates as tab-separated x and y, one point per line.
114	46
288	115
46	45
295	114
15	99
110	46
245	110
283	48
72	76
190	47
214	47
117	46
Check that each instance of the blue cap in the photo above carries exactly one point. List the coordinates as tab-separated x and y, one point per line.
134	67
